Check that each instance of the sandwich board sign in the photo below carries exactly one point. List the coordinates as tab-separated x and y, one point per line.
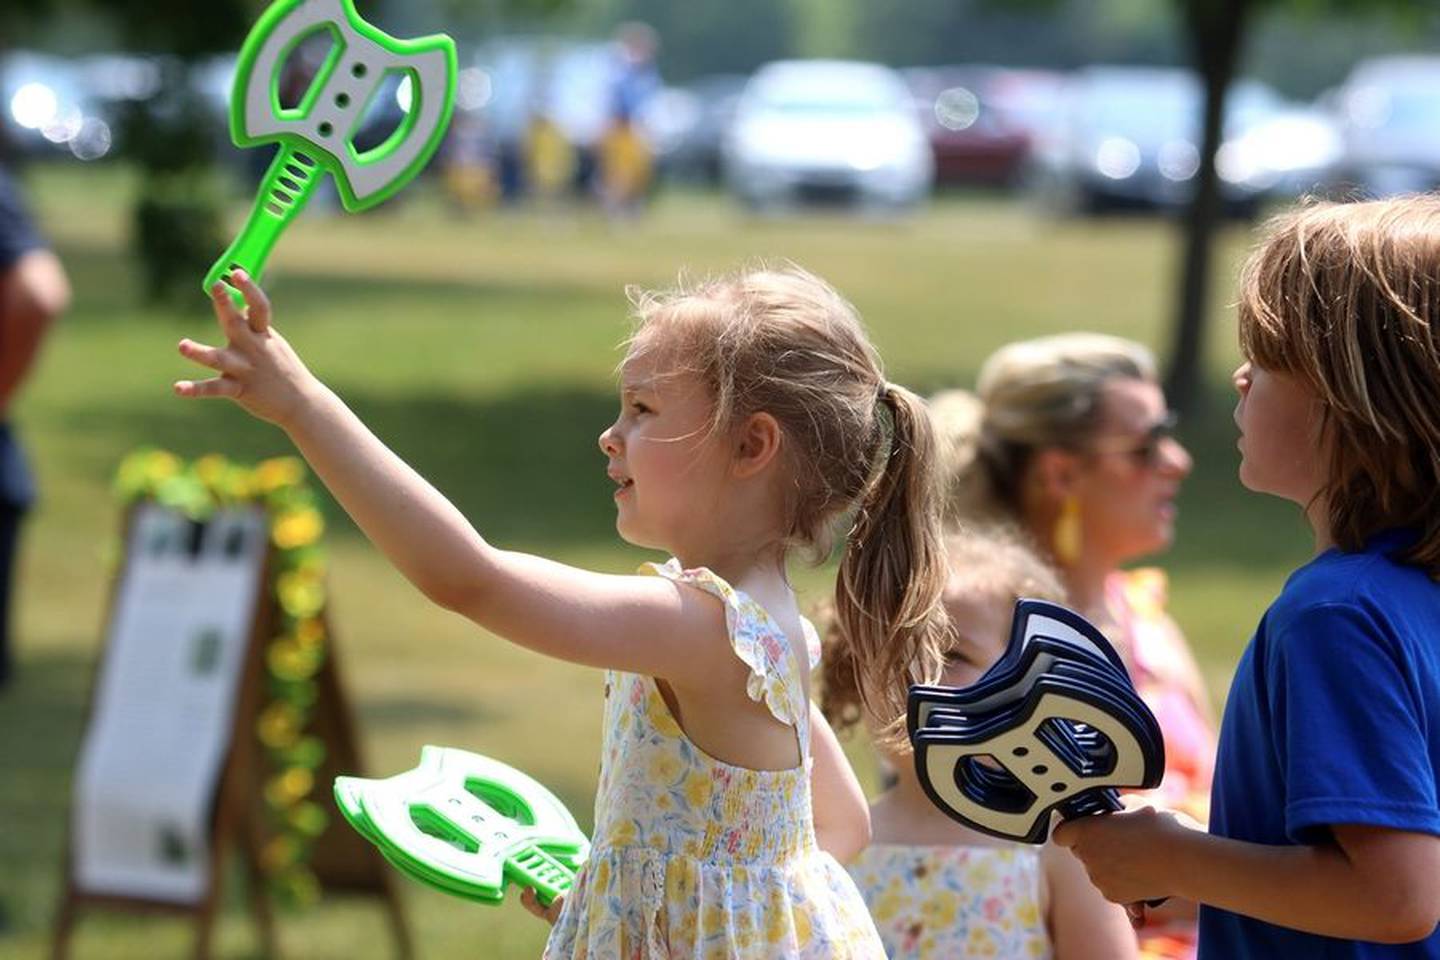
171	776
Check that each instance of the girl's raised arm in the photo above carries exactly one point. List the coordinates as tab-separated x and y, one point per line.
641	624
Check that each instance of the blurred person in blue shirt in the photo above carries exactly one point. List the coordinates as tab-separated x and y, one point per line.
33	292
625	157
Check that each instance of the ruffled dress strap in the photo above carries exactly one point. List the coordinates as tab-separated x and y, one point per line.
759	642
812	643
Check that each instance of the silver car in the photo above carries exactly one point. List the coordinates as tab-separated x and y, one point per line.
1130	138
1389	114
827	131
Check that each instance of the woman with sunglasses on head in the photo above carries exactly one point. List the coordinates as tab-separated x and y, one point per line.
1070	438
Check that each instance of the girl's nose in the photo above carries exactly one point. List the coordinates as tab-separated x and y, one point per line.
608	444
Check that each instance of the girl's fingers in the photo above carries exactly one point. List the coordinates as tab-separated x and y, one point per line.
214	387
258	314
225	361
229	318
531	902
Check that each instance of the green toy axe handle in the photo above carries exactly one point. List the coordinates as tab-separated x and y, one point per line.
532	867
287	186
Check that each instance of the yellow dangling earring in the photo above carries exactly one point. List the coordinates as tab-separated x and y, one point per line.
1066	538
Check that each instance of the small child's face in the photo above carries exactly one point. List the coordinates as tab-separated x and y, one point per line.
1279	419
662	456
982	624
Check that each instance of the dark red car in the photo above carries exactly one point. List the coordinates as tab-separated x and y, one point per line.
982	120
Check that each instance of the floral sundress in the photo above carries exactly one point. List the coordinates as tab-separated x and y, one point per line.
955	902
696	858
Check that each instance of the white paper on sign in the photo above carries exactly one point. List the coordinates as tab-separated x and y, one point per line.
164	704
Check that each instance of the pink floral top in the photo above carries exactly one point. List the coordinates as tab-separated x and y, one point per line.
1168	681
692	857
955	902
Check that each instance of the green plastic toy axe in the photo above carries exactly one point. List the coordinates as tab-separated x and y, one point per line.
316	136
468	825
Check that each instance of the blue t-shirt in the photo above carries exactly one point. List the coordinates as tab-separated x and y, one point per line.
18	235
1333	717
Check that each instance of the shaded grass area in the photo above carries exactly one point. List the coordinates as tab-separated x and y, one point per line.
482	351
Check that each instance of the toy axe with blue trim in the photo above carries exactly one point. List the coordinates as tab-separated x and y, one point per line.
1054	725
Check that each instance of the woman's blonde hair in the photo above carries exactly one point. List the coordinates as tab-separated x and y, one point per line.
995	561
1346	297
1030	395
857	450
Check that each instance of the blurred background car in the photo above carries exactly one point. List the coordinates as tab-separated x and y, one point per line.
1129	136
982	121
1293	151
695	155
1389	115
827	131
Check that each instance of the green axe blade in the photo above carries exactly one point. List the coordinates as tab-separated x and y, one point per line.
316	137
467	825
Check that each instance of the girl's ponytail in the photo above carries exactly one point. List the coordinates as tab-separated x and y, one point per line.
892	626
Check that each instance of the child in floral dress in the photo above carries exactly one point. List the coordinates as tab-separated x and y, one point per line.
754	419
937	889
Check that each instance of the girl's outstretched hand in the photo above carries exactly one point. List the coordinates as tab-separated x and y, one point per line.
258	368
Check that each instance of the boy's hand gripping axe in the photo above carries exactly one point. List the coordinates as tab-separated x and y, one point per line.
316	136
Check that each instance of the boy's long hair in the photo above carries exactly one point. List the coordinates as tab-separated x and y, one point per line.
1346	297
993	561
858	453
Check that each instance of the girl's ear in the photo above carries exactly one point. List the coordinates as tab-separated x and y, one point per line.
1056	473
757	445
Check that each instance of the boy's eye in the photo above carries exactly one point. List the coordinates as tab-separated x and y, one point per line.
639	407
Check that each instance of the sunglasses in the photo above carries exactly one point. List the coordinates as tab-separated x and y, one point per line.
1146	452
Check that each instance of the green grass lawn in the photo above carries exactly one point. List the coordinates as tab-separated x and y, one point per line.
483	352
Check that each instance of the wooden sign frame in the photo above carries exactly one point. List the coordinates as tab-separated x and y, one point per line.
342	861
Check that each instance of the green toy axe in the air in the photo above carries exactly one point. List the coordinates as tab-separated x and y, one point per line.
316	136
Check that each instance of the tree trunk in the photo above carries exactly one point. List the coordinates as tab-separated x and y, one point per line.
1216	30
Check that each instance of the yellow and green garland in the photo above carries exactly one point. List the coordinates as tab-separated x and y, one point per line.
293	656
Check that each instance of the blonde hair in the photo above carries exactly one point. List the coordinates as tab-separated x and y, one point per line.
1032	394
995	561
854	446
1346	297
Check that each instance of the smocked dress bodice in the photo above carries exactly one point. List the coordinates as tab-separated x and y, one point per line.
693	857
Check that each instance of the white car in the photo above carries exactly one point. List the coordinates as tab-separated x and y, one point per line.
827	131
1389	113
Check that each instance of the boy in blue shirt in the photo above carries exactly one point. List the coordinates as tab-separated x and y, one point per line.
1324	838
